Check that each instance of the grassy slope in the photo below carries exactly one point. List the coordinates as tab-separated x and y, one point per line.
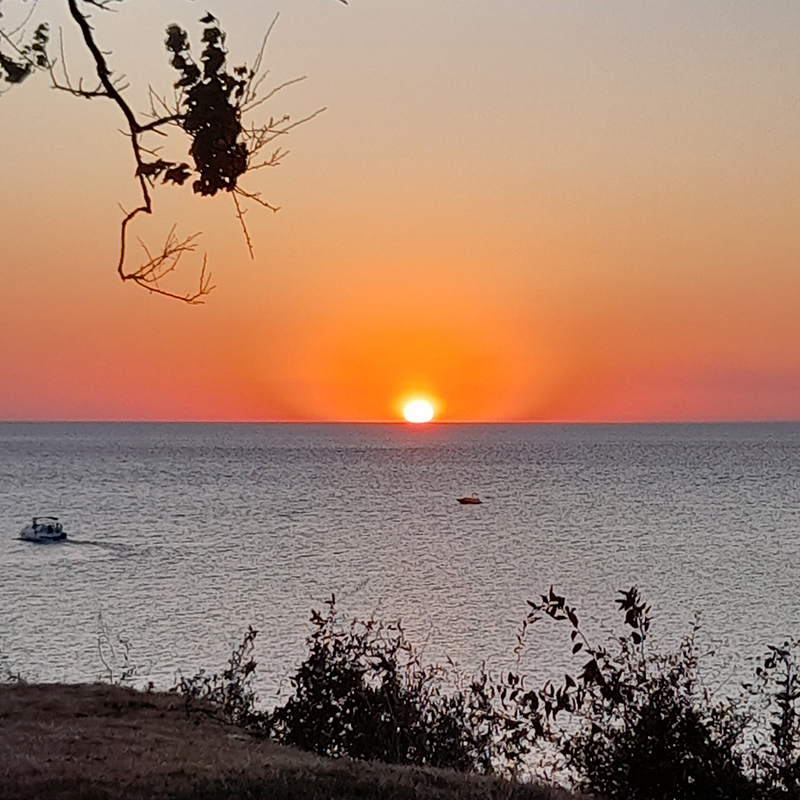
100	741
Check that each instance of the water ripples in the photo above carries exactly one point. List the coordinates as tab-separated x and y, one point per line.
182	535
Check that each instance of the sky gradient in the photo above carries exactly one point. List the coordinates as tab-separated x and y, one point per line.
526	210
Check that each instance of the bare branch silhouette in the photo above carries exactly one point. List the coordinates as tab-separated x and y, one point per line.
240	214
156	267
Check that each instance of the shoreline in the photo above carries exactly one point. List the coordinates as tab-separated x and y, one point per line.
106	742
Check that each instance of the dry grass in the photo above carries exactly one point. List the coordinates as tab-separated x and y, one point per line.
59	742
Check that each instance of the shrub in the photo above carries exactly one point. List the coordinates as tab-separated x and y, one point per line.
775	756
231	694
643	727
363	692
632	724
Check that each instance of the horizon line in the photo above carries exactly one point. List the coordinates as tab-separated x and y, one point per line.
398	422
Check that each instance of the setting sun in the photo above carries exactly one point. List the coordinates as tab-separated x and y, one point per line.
418	411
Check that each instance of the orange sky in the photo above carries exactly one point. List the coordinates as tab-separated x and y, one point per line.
528	210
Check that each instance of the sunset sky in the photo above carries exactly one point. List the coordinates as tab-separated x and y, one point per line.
524	210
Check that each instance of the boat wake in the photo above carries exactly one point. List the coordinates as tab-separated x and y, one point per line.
116	548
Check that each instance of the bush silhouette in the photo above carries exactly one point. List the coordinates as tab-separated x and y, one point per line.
363	692
632	723
229	695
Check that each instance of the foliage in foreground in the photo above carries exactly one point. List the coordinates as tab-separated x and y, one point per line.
642	725
229	695
363	692
633	723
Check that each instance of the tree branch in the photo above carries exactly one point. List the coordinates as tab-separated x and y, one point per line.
157	267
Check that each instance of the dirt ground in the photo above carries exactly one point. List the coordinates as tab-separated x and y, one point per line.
59	742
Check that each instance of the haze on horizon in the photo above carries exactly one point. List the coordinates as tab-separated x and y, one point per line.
525	210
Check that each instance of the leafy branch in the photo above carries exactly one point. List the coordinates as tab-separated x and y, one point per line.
209	105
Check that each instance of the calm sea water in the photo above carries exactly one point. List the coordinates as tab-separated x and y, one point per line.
182	535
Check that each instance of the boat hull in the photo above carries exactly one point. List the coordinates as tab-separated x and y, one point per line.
47	538
43	532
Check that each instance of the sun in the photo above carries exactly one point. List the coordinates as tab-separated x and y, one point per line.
418	411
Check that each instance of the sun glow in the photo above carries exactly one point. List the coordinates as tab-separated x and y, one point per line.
418	411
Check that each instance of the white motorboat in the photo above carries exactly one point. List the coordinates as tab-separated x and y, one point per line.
43	529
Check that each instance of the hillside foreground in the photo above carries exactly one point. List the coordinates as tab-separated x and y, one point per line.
104	742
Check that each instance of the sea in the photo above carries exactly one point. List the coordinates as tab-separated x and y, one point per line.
180	536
